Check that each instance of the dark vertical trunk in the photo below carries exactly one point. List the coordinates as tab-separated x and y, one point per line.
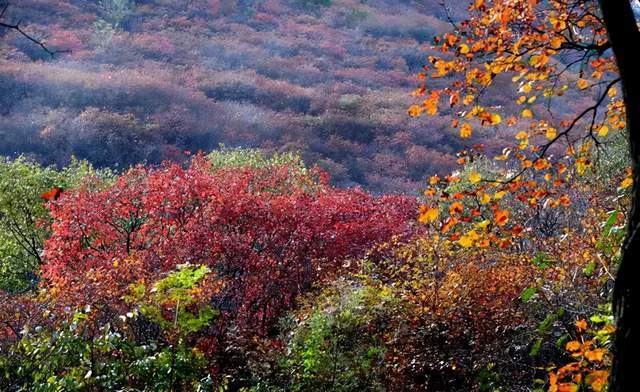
625	40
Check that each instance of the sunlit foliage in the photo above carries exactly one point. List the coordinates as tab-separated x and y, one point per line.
540	190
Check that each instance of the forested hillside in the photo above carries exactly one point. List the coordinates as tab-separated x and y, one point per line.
144	80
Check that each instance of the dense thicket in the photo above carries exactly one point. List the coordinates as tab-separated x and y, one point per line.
241	271
246	271
209	256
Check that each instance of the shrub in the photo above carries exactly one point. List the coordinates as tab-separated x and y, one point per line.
339	343
268	233
24	217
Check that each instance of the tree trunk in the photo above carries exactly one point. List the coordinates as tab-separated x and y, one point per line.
625	40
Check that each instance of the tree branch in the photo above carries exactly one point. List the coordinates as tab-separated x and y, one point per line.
19	29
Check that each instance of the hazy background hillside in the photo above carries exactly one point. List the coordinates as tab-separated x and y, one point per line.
146	80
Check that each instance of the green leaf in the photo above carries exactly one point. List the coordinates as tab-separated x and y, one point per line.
546	323
608	225
598	318
535	349
541	260
590	268
527	293
562	340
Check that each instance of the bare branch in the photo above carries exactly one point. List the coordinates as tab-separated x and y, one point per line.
28	36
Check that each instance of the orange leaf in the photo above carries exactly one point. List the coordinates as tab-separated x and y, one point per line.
567	387
573	345
581	325
582	84
595	355
597	379
501	217
415	110
448	224
456	207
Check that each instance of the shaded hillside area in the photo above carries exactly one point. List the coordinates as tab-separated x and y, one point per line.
146	80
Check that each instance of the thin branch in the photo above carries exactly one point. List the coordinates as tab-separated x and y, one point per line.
564	133
19	29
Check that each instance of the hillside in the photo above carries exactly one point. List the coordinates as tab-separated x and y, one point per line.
144	80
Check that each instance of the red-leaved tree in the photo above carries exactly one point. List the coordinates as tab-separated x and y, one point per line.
267	234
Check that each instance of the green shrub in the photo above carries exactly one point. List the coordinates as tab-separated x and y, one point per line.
142	350
23	213
339	344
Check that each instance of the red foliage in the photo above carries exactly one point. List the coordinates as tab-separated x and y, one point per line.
52	194
266	234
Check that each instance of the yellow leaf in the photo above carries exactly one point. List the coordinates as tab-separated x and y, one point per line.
499	195
582	84
551	133
626	183
483	224
475	177
526	113
522	135
485	198
464	48
495	119
612	92
467	239
429	215
582	164
603	131
465	131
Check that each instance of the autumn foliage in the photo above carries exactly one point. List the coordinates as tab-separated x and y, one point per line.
240	271
144	79
539	190
268	234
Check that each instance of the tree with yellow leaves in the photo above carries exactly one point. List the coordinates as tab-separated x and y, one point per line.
576	86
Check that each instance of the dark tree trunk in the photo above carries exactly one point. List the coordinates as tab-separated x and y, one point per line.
625	42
